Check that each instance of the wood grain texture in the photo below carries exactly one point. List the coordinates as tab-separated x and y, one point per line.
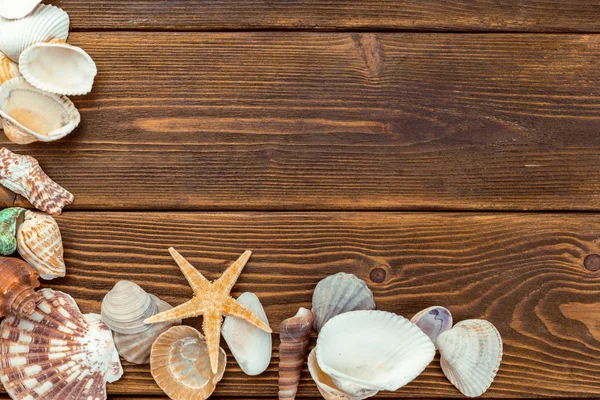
455	15
332	121
520	271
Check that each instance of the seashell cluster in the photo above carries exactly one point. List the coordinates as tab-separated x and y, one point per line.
17	283
124	309
57	352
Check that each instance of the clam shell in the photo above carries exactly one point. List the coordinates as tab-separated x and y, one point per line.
45	23
17	283
58	68
326	385
14	9
433	321
57	353
8	69
338	294
30	114
251	347
471	353
10	219
363	351
181	366
40	244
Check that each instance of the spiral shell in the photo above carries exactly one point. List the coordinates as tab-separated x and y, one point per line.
10	219
17	283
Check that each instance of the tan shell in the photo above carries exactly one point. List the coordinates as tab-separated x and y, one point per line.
17	283
23	175
181	366
471	353
8	69
57	353
40	244
294	336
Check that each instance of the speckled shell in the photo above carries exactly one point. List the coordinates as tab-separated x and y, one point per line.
23	175
471	353
40	244
8	68
17	283
57	353
433	321
10	219
13	9
181	366
294	334
338	294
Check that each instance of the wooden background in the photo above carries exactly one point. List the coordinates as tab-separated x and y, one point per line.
445	151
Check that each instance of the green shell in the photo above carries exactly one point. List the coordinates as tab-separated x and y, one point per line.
10	219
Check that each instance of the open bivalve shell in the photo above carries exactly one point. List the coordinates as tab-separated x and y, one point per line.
45	23
364	351
57	353
14	9
30	115
338	294
8	69
58	67
471	353
181	366
433	321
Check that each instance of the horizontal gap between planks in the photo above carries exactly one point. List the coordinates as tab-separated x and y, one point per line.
330	210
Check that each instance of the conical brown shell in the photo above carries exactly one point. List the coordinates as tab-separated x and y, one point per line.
17	283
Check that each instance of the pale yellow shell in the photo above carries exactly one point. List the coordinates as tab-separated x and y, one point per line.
8	69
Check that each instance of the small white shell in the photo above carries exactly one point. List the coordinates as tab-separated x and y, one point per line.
338	294
251	347
30	114
363	351
45	23
471	353
433	321
15	9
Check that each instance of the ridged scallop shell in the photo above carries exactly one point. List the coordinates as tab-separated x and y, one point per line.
181	366
45	23
471	353
251	347
23	175
14	9
10	219
338	294
8	69
17	283
433	321
363	351
30	115
57	353
326	385
40	244
59	68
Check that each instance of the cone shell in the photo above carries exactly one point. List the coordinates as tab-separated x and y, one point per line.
433	321
10	219
471	353
58	68
45	23
23	175
8	69
181	366
338	294
40	244
57	353
364	351
30	115
17	283
294	334
14	9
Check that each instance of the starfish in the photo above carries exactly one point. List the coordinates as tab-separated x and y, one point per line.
212	300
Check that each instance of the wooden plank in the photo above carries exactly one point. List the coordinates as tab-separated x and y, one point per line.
524	272
456	15
334	121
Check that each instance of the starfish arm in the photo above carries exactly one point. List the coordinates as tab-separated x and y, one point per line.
194	277
232	308
186	310
211	325
225	283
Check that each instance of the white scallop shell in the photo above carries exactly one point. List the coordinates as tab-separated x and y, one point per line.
471	353
433	321
14	9
363	351
58	68
45	23
30	114
57	353
338	294
251	347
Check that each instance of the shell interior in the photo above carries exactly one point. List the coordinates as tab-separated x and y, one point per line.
433	321
12	9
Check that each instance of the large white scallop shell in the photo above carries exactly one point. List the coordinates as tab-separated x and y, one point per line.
45	23
57	353
251	347
363	351
338	294
433	321
471	353
59	68
15	9
30	114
